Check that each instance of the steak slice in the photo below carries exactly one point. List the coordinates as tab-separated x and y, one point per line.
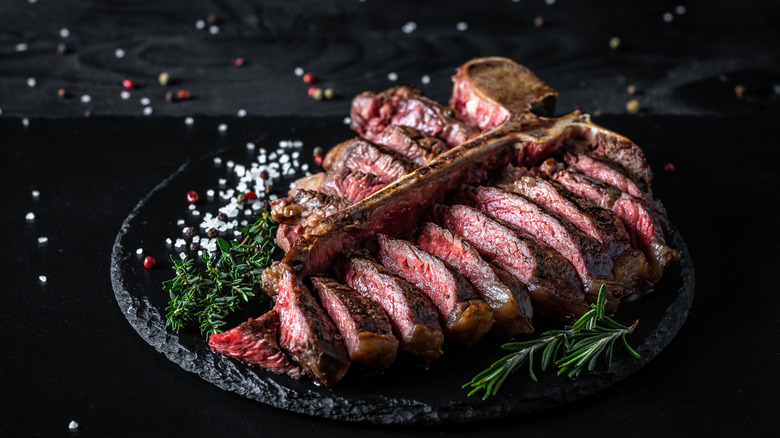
363	325
506	296
464	317
307	334
610	174
344	183
553	284
256	343
586	254
641	224
417	146
300	212
630	265
413	316
361	155
403	105
477	83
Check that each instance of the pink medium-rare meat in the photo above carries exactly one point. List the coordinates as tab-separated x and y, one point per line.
363	324
307	334
586	254
464	316
372	113
415	145
630	265
506	296
361	155
553	284
256	343
412	314
644	229
343	183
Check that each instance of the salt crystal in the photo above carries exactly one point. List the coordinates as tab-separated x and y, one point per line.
230	164
43	279
182	255
284	158
43	240
189	121
550	2
213	29
36	194
168	241
210	193
179	243
180	222
222	127
124	95
393	76
145	101
31	82
295	155
191	207
64	32
680	10
148	111
30	217
196	213
409	27
200	24
347	120
425	79
86	98
298	143
21	47
462	26
217	160
668	17
305	166
119	53
196	239
298	71
242	113
26	122
139	251
250	146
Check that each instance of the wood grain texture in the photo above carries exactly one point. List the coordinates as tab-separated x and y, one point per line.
687	66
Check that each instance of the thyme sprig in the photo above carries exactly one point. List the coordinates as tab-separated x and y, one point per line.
205	295
572	350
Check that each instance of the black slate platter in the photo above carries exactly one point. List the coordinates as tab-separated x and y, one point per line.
407	393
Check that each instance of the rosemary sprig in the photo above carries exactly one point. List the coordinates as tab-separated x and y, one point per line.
572	350
207	295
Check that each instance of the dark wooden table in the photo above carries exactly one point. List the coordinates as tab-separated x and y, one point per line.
707	76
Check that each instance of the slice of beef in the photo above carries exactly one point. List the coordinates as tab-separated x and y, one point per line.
553	284
307	334
476	85
464	316
611	174
586	254
344	183
361	155
415	145
371	113
506	296
412	314
300	211
363	325
630	266
641	224
256	342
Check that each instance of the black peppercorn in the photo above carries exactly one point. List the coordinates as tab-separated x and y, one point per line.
223	217
191	232
212	233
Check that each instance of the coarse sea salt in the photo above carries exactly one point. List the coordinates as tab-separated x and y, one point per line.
145	101
42	278
189	121
43	240
222	127
30	216
124	95
73	425
139	251
119	53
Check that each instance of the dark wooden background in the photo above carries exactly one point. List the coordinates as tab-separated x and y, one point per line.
66	351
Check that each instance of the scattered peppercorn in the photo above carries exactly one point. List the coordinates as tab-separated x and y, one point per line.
740	90
62	93
308	78
539	21
250	195
128	83
318	159
668	167
191	232
241	198
192	197
614	43
238	62
632	90
170	96
264	175
212	19
632	106
315	93
164	78
183	94
328	93
450	113
268	189
62	48
317	151
223	217
212	233
149	262
193	246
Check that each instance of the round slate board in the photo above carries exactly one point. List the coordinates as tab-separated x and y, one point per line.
407	393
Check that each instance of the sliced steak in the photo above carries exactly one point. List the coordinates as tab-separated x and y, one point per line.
630	266
344	183
307	334
371	113
506	296
256	342
415	145
641	224
412	314
464	316
361	155
300	212
553	284
610	174
586	254
476	84
363	325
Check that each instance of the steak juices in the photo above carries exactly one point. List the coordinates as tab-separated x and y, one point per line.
452	222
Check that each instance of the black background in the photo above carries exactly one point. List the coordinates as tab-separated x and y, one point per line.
68	353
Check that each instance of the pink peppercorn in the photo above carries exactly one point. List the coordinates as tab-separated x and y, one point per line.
318	159
308	78
250	195
668	167
149	262
238	62
192	197
183	94
128	83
